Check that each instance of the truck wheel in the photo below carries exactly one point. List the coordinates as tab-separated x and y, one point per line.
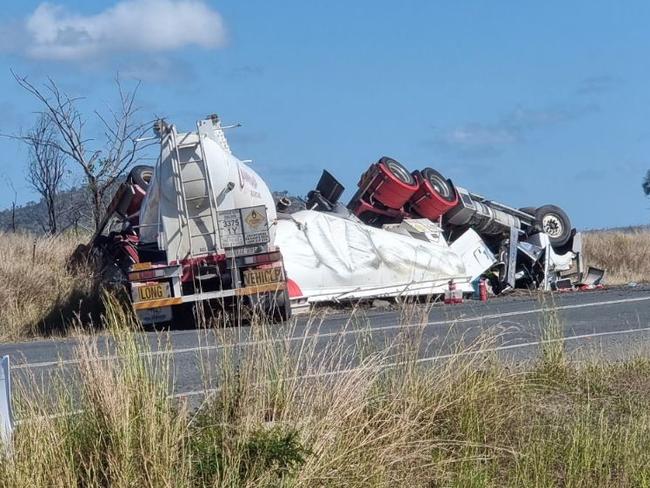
78	259
270	307
555	223
397	170
439	184
283	306
141	176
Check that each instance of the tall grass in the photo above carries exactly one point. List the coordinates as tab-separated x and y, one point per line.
282	411
38	294
625	255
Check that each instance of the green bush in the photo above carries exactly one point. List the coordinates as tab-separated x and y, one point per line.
266	453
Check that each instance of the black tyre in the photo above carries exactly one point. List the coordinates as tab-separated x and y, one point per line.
439	183
397	170
141	176
79	258
269	307
555	223
283	304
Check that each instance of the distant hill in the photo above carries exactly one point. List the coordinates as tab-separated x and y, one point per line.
74	211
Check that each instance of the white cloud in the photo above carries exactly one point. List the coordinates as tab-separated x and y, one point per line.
475	134
477	139
131	26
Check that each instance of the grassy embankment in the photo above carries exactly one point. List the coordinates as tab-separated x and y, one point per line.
625	255
472	420
39	296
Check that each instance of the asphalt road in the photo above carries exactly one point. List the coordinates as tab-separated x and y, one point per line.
612	323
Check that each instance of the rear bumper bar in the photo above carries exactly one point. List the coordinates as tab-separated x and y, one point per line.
212	295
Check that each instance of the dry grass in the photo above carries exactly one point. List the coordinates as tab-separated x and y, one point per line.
277	418
625	255
38	295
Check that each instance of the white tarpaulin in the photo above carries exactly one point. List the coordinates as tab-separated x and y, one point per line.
330	257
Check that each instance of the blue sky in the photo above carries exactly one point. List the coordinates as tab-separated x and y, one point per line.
525	102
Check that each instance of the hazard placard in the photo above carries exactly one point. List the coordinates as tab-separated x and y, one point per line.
256	225
243	227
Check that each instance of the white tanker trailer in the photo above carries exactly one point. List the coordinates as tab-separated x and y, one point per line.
196	228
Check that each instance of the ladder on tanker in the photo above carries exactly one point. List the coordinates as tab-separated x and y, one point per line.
197	212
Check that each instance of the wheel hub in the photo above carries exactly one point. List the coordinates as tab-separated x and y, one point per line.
439	186
400	173
552	225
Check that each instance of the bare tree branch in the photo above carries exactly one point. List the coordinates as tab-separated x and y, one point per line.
46	167
102	165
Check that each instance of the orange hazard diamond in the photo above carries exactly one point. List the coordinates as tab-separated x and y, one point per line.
254	219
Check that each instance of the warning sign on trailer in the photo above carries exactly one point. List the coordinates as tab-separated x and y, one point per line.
243	227
230	228
256	226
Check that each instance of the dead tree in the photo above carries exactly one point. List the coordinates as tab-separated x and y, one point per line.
10	184
102	163
46	168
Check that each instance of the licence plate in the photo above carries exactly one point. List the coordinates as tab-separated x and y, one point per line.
255	277
155	315
154	291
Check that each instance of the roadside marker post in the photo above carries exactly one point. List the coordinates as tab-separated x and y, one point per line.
6	416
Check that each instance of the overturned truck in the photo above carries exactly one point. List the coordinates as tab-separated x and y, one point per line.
201	228
412	233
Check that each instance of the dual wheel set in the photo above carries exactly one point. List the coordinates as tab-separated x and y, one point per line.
388	189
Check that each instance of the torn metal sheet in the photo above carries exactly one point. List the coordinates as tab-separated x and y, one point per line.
531	251
593	276
556	262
